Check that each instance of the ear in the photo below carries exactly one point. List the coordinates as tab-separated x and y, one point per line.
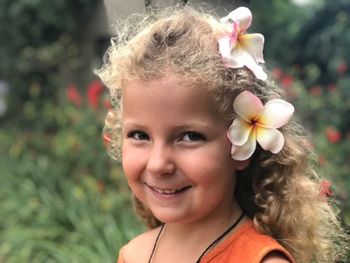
241	165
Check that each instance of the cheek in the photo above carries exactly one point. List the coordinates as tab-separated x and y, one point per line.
131	162
133	173
218	156
209	166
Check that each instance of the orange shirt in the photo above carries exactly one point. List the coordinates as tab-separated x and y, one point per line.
246	245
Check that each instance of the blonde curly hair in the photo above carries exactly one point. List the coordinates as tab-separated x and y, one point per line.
280	192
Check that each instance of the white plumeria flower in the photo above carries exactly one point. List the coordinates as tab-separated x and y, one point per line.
239	49
256	122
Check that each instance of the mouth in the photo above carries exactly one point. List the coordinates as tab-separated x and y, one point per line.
168	192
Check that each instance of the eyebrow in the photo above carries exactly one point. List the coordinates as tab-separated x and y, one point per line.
133	124
192	125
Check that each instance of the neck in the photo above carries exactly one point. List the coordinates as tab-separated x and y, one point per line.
214	224
192	241
195	237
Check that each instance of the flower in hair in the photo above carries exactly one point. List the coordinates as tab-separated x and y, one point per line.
257	123
239	49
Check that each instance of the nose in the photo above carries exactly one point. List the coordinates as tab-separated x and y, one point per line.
161	161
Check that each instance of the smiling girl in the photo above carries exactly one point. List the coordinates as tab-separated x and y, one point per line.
218	169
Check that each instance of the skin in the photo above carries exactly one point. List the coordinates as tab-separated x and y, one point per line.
176	157
275	257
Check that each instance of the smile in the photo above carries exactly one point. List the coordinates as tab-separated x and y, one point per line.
168	191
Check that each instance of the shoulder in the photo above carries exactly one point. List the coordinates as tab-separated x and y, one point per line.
275	257
265	248
139	248
249	245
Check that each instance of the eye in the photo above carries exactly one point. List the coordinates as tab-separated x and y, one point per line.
192	136
138	135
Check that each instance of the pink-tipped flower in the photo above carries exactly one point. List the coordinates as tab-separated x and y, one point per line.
239	49
257	123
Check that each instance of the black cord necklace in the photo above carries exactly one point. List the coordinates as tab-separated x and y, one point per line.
206	250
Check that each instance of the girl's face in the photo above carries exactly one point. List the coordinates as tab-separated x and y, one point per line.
176	155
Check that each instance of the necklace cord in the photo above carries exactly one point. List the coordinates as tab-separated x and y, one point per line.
208	247
156	243
220	237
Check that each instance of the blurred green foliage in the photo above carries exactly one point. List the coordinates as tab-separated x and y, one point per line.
62	198
308	49
42	41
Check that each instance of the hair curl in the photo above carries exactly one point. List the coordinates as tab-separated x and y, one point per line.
280	192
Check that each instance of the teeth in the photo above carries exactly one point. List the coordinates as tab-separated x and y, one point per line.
165	191
168	191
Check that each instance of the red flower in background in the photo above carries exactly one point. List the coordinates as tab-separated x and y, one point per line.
325	190
322	160
333	135
73	95
316	91
276	73
101	187
106	139
342	68
332	87
287	81
308	144
94	92
107	104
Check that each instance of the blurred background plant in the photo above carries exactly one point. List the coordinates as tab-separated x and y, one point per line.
307	46
62	198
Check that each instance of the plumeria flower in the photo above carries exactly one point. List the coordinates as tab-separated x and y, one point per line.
256	122
239	49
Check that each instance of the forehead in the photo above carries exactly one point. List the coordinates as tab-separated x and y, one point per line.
169	96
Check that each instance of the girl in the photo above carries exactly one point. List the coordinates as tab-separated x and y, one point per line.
218	171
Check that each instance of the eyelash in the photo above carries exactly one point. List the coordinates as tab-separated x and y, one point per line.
140	135
133	135
198	136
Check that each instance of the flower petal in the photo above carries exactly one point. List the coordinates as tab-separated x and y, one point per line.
247	106
276	113
235	58
239	57
255	68
270	139
242	15
254	45
243	152
225	48
239	131
234	34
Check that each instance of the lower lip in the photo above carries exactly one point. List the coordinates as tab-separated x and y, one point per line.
172	196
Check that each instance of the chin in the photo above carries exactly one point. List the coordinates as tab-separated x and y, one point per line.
167	216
